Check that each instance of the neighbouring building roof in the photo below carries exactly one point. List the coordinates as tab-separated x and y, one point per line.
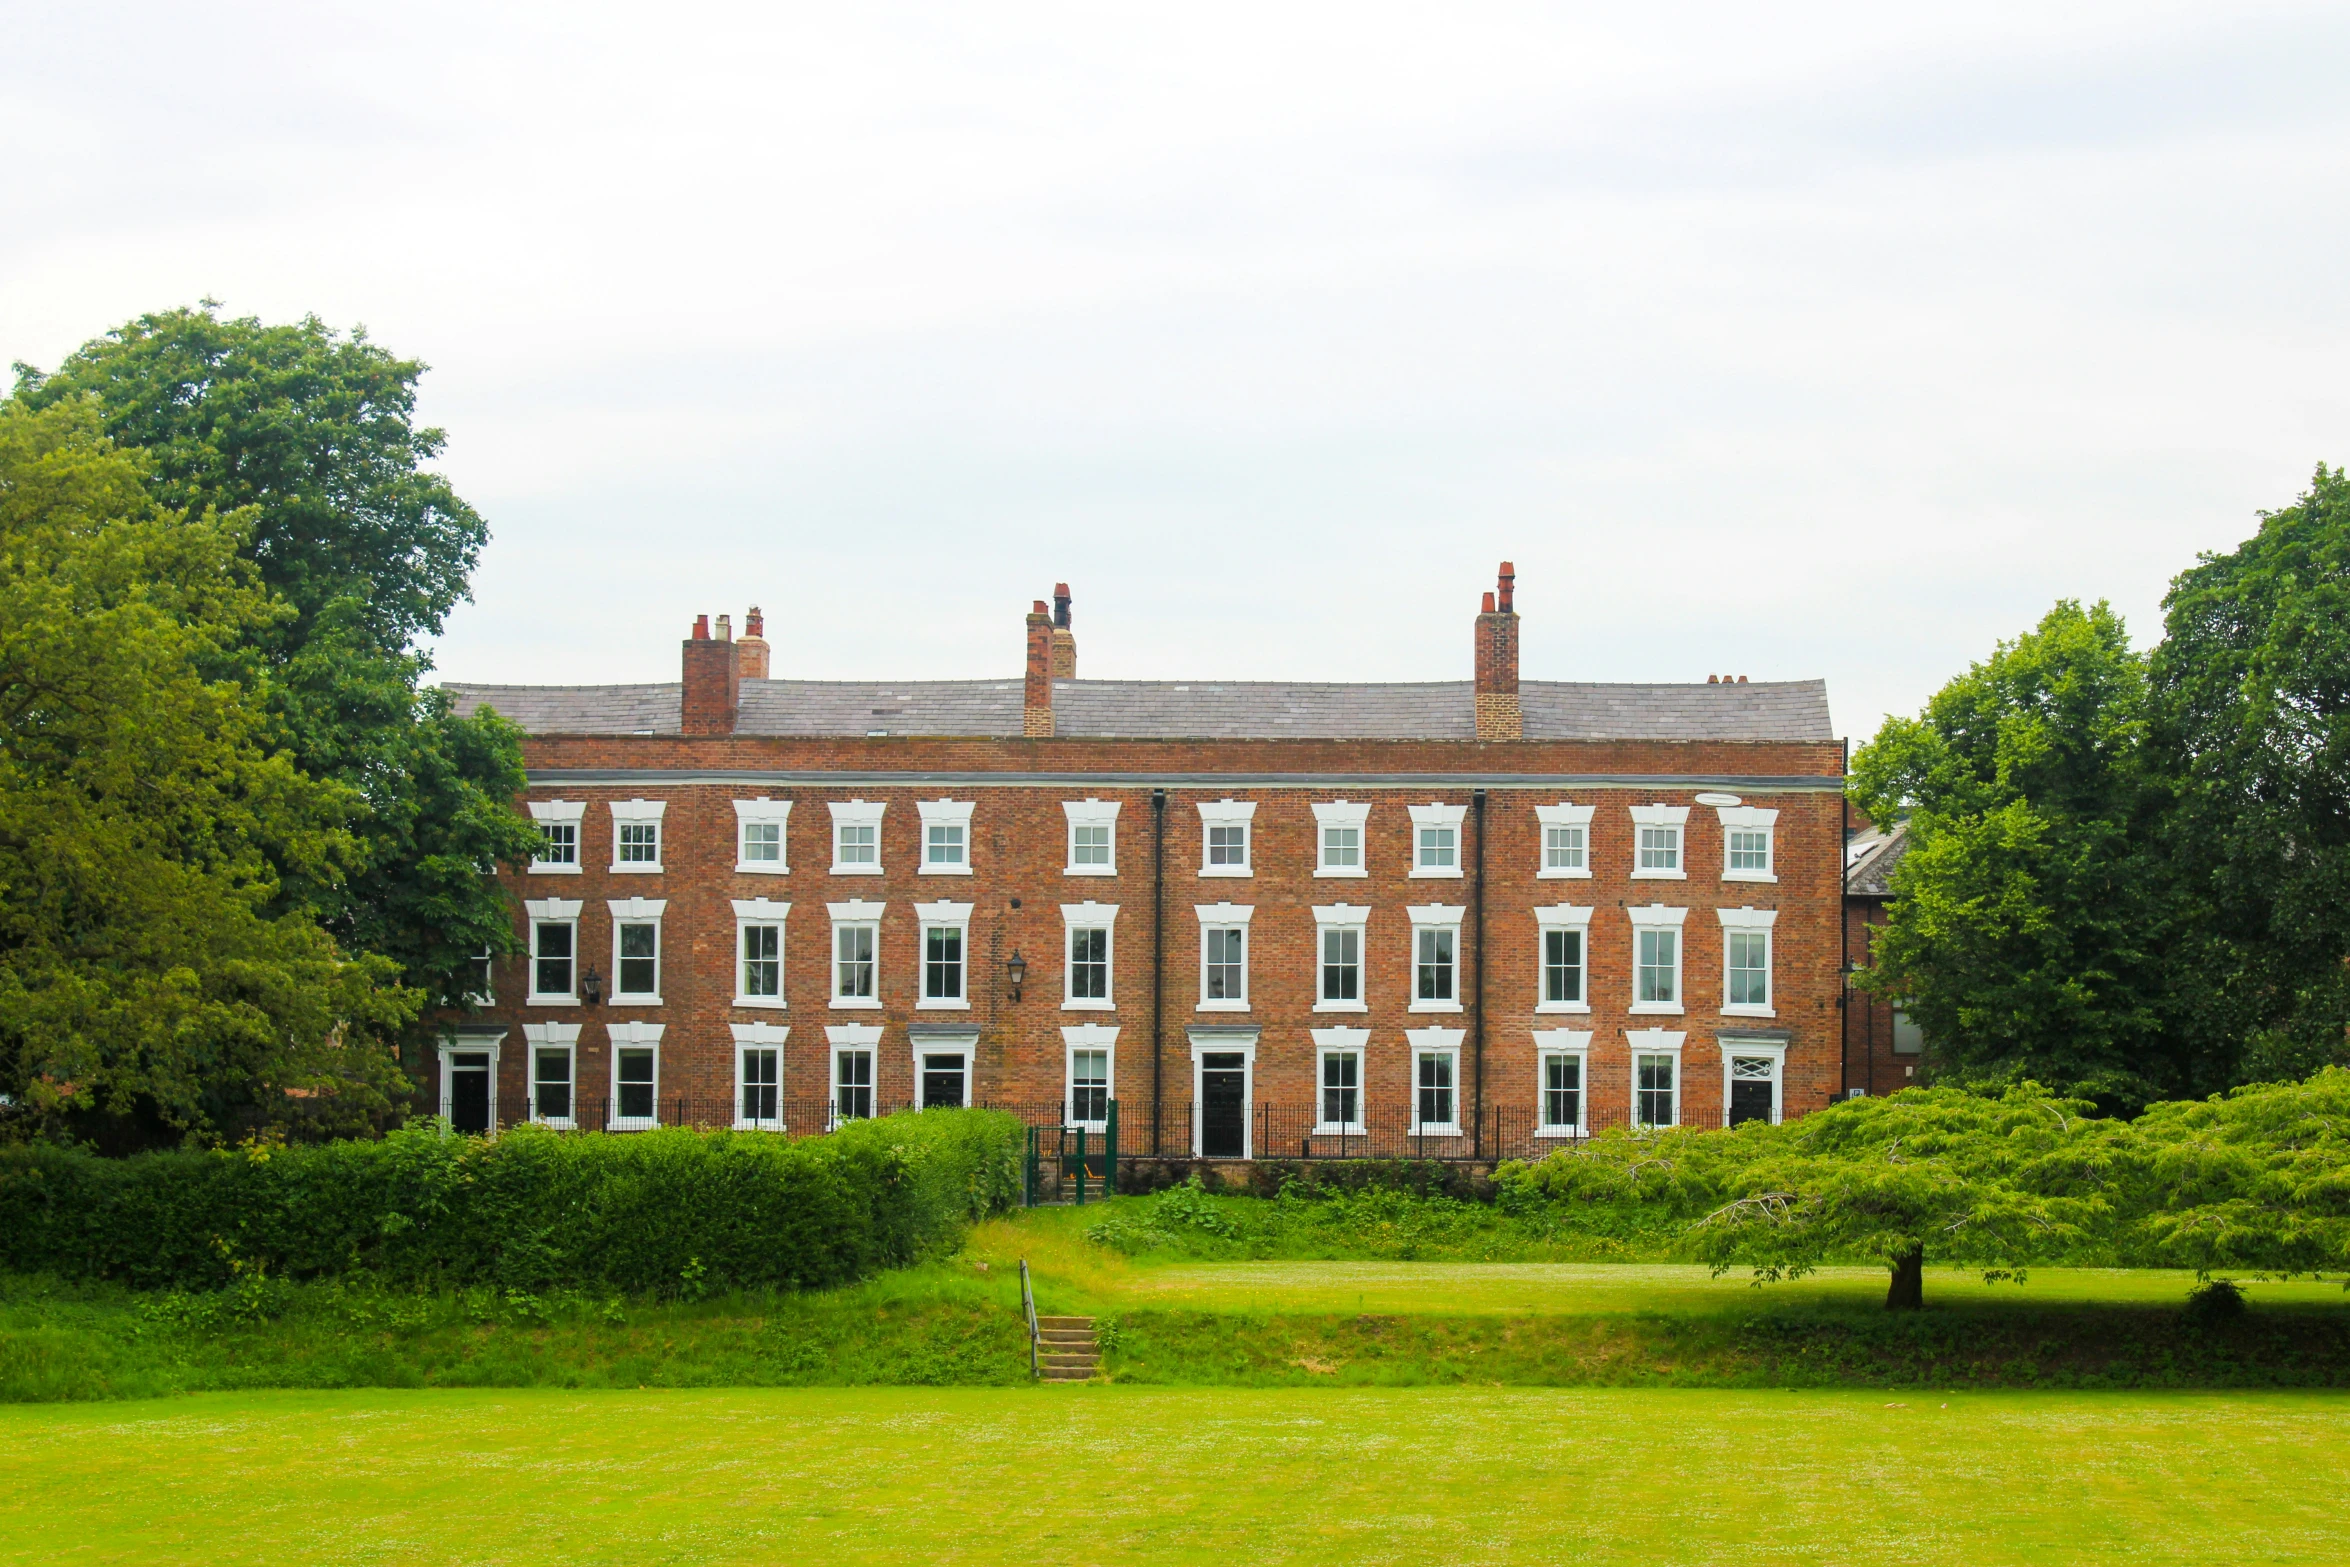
1791	710
1869	859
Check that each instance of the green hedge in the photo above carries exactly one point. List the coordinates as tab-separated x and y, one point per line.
659	1212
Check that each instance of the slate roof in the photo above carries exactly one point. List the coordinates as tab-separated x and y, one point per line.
1870	859
1195	709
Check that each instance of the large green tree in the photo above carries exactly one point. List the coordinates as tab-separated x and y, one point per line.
2252	716
151	969
312	434
2027	933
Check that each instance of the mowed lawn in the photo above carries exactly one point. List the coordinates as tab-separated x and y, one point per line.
1108	1474
1547	1288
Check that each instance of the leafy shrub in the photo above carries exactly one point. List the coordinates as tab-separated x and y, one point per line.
2215	1304
669	1212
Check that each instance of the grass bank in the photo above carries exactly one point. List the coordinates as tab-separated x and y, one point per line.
1133	1474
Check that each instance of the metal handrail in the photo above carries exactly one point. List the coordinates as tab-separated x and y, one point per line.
1028	1304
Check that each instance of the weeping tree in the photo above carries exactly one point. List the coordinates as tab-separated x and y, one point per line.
1999	1182
2257	1180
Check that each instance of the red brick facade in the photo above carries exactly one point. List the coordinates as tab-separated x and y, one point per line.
1019	878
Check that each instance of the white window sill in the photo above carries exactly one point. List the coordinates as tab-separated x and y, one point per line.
1656	1009
555	1123
1748	1009
483	1001
1434	873
1433	1129
1562	873
741	1125
1434	1006
1558	1131
1660	875
537	869
1335	1129
856	1004
1223	1006
856	870
761	868
1226	870
944	870
1089	1004
1091	1126
1342	1006
633	1001
1749	876
771	1003
1341	870
1562	1006
1089	870
633	1124
638	868
942	1004
550	1001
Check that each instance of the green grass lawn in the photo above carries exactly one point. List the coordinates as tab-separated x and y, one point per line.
1107	1474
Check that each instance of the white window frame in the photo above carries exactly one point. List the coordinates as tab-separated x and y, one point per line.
1090	812
1341	1041
1436	916
759	1036
750	912
854	912
1751	919
487	995
929	917
1735	1045
1426	1042
636	911
632	1035
1089	915
1344	916
944	813
1560	916
856	813
471	1041
1549	1045
636	813
550	1037
1564	814
1751	818
1655	1042
552	911
1087	1036
552	813
1657	917
1224	916
762	812
1436	816
1229	813
838	1037
1342	813
964	1044
1673	816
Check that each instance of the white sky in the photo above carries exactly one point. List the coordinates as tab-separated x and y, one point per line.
1791	340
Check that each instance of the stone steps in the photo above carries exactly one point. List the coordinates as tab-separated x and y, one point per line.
1066	1350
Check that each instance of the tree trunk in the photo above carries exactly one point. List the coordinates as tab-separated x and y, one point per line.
1908	1292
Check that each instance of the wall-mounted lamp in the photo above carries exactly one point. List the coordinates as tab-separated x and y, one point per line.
591	986
1016	970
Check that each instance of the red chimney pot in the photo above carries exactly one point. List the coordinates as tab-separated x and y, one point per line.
701	628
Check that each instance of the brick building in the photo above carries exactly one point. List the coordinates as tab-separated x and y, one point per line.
1882	1047
1267	918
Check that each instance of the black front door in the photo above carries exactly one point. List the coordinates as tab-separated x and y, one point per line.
1749	1100
942	1082
469	1092
1223	1104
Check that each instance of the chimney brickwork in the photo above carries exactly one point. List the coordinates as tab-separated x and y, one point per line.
751	650
1064	639
713	681
1036	704
1498	714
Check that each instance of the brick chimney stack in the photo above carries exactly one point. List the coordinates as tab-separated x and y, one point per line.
713	681
750	651
1064	640
1498	714
1036	704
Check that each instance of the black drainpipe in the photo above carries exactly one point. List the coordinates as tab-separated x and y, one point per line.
1158	958
1477	1035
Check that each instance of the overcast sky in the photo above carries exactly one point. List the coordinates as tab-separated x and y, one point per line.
1792	340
